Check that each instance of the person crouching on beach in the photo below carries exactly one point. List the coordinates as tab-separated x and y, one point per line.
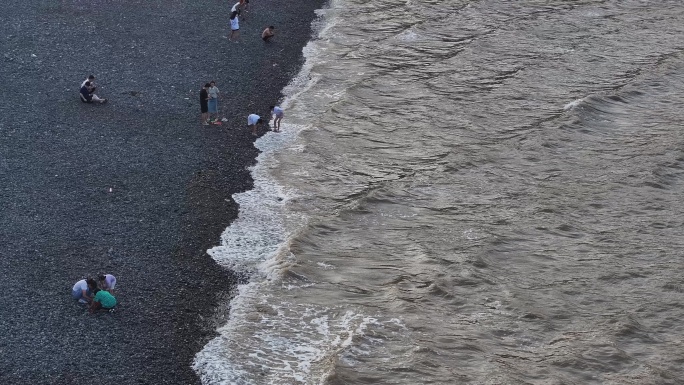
234	26
279	114
268	33
87	93
83	290
254	121
204	104
107	282
102	300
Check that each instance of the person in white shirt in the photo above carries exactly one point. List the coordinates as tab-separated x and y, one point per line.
107	282
234	26
279	114
83	289
254	121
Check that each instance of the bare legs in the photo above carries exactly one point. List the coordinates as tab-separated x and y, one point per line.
276	123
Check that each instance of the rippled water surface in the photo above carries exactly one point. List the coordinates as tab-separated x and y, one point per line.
485	192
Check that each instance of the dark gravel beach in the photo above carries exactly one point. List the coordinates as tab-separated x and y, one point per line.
135	187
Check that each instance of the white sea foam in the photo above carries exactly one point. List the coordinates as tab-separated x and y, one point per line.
273	353
572	104
408	35
325	266
256	242
270	337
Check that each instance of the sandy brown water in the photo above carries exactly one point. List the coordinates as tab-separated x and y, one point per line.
480	193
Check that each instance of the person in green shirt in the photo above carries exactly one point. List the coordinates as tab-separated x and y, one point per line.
102	300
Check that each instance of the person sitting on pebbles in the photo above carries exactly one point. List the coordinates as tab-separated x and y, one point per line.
87	94
83	290
91	79
103	300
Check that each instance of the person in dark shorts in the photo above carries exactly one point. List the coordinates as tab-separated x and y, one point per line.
234	26
268	33
204	104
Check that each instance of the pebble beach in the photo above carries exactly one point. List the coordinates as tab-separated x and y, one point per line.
136	187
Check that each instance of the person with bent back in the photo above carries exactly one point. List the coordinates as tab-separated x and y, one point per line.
102	300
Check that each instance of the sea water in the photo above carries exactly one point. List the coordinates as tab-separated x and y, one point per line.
467	192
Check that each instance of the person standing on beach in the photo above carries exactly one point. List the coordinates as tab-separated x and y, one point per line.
204	107
279	114
234	26
83	289
107	282
213	100
268	33
254	121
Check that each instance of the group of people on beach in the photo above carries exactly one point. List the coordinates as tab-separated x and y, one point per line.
98	294
209	94
254	120
209	97
240	10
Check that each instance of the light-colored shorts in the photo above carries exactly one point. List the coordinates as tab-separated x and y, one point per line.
78	294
